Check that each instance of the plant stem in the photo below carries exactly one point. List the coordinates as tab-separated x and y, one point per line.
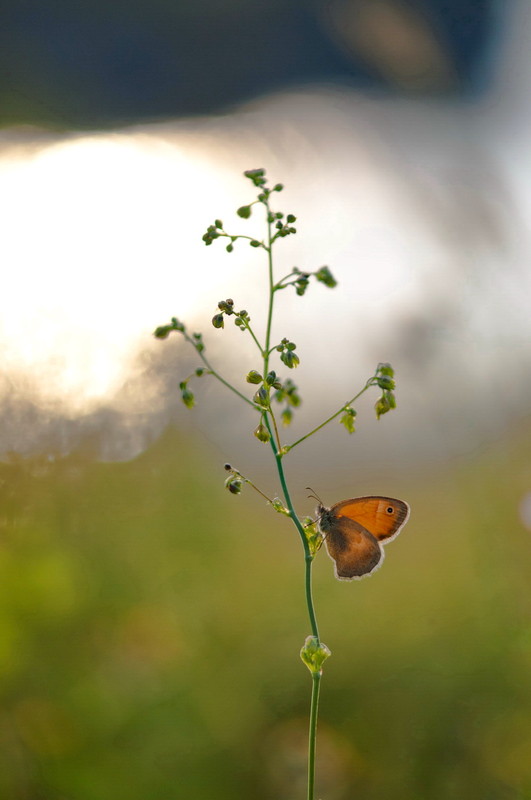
337	413
308	558
257	343
312	733
217	375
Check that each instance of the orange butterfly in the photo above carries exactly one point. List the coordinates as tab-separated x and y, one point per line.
354	531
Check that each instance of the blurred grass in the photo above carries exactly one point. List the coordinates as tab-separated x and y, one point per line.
150	625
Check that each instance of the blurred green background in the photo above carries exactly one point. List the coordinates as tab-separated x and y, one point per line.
150	625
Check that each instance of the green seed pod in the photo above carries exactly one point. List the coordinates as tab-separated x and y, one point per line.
244	212
218	321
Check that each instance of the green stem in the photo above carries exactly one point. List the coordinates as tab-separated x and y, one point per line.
257	343
308	558
271	293
312	733
217	375
337	413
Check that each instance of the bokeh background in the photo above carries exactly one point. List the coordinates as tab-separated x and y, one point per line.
150	622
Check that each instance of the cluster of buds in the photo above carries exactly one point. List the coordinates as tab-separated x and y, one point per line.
284	228
384	378
287	354
163	331
288	393
242	318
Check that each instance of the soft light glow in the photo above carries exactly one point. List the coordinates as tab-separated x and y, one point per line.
101	242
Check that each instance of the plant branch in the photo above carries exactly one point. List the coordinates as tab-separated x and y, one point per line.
289	447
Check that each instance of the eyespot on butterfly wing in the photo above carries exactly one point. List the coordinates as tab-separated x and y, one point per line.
355	530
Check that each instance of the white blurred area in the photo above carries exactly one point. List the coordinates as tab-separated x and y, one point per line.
421	209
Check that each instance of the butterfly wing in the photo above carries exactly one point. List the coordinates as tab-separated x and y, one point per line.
353	549
383	517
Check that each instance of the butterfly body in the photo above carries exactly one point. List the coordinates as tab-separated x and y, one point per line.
355	529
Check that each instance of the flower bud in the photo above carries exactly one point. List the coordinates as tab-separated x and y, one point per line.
385	382
314	653
261	398
261	433
348	419
324	275
286	416
162	332
253	377
290	359
187	396
218	321
279	506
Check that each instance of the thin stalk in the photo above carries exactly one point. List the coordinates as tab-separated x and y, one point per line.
312	733
213	372
308	558
337	413
257	343
271	293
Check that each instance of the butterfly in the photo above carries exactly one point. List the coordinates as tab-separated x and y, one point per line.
355	530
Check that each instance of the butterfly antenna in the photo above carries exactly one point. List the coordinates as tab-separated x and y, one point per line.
315	497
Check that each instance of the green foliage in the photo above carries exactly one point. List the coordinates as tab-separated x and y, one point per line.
128	589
